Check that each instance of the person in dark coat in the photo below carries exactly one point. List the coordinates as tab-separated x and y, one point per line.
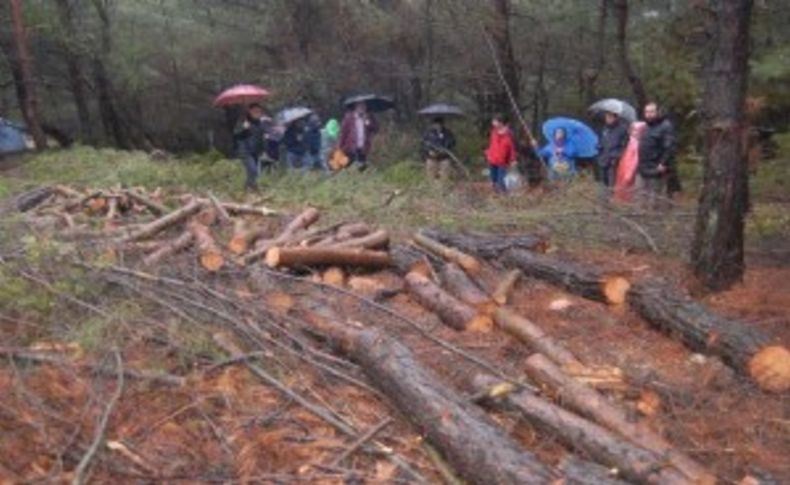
613	141
656	153
295	145
248	137
312	138
356	134
436	142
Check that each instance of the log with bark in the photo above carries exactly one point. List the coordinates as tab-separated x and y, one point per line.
453	312
169	248
469	264
209	253
298	224
407	259
33	198
590	403
344	233
744	348
291	257
487	246
579	434
505	286
152	205
375	240
152	228
470	442
571	276
534	336
460	285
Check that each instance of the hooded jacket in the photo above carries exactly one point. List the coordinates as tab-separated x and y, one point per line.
501	149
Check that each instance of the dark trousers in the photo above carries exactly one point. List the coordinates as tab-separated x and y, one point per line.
251	168
497	175
359	158
605	174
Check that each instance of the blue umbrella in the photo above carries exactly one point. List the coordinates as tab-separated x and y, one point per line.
583	138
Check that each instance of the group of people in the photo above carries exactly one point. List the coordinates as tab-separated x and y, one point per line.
638	155
306	144
631	156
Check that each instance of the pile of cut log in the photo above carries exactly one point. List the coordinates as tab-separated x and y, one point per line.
132	220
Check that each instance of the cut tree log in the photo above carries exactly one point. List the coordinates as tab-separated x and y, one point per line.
168	248
154	227
487	246
453	312
334	276
581	472
278	257
744	348
505	286
33	198
465	436
590	403
248	210
407	259
468	263
580	434
299	223
375	240
532	335
222	213
344	233
573	277
66	192
152	205
460	285
209	253
244	236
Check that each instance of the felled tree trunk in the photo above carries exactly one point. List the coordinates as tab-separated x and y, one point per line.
470	442
344	233
301	222
453	312
573	277
742	347
164	222
505	286
465	261
590	403
579	434
406	259
376	240
168	248
294	257
487	246
460	285
152	205
534	337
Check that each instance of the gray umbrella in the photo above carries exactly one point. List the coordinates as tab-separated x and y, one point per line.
441	110
289	115
374	102
616	106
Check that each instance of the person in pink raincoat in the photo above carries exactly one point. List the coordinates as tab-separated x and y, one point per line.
626	169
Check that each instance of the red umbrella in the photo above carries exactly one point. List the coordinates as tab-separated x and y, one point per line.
241	94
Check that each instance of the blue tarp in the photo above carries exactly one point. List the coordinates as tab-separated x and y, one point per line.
12	137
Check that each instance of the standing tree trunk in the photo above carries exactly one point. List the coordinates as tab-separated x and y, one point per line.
73	59
111	118
589	77
621	15
717	253
26	89
499	27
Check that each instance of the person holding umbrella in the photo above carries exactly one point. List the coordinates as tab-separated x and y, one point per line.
359	127
569	140
437	141
249	139
249	132
613	140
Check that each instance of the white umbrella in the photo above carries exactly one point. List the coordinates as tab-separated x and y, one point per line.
616	106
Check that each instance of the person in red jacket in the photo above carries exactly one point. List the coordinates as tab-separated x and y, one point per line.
501	152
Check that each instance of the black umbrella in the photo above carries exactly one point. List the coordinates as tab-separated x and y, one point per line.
374	102
441	110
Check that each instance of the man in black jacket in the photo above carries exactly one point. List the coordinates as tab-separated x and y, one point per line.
436	142
614	139
656	153
248	136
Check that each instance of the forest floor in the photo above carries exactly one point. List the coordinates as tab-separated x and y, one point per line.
222	424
